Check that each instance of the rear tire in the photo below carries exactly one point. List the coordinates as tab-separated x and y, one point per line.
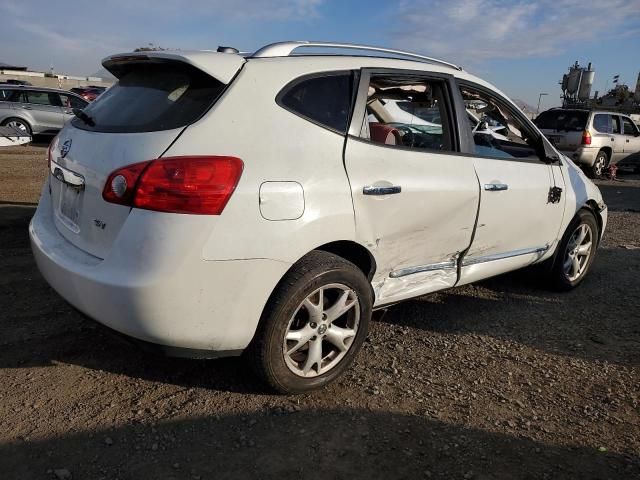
313	325
576	252
18	124
599	164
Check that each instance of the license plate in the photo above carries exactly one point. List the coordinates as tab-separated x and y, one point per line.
69	207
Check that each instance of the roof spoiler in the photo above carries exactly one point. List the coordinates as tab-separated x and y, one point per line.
221	66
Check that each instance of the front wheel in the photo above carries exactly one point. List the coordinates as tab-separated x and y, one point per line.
314	324
576	251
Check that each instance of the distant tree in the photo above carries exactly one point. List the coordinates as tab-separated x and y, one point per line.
150	48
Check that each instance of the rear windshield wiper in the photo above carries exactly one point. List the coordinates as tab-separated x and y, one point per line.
84	117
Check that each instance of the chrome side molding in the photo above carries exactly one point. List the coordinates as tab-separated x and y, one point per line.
500	256
71	179
403	272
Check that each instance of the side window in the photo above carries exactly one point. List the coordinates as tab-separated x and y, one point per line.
16	96
498	131
615	121
69	101
322	99
601	123
628	127
408	111
42	98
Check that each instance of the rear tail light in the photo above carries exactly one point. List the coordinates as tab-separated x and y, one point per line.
586	137
197	185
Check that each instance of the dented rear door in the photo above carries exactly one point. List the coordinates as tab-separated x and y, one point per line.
415	209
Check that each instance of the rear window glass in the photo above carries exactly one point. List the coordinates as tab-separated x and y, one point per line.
568	120
322	99
601	123
153	97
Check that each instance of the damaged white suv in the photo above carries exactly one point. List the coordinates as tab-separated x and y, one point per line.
218	203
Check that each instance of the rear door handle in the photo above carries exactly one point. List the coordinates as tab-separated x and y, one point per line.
27	107
495	187
374	190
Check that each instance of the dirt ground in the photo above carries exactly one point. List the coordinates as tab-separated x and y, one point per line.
497	380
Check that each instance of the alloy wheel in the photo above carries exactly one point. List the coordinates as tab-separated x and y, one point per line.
17	125
599	165
321	330
578	252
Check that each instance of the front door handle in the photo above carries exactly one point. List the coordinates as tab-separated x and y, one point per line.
375	190
26	107
495	187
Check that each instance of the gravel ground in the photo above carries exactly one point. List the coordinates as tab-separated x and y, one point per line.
500	379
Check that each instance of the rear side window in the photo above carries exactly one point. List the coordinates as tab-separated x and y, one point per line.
324	99
601	123
153	97
628	127
562	120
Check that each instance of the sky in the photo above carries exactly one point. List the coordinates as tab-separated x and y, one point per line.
522	47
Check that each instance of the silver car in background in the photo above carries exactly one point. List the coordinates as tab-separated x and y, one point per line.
592	139
37	110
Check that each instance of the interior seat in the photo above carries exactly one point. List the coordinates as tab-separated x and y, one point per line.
385	134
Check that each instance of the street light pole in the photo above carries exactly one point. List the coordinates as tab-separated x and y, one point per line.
539	99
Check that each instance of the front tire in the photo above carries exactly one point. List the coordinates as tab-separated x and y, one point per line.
599	164
576	252
313	325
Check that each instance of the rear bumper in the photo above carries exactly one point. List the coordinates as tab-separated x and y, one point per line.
166	296
583	155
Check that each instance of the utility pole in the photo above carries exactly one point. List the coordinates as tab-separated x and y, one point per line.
539	99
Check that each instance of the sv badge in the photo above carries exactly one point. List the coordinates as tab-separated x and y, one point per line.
99	223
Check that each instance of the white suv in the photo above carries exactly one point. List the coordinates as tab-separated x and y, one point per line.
219	203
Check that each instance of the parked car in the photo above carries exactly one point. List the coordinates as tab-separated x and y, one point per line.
593	139
210	204
36	110
88	93
12	81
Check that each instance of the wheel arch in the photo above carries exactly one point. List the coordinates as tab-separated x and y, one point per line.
8	118
608	151
592	206
354	252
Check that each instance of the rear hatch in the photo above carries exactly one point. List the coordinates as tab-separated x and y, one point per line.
563	128
156	97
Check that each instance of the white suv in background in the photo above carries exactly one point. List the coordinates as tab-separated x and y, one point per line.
593	139
215	203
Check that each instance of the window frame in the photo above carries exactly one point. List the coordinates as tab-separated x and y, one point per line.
619	131
358	115
544	149
354	73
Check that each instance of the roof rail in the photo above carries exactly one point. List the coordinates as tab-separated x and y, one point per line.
285	49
